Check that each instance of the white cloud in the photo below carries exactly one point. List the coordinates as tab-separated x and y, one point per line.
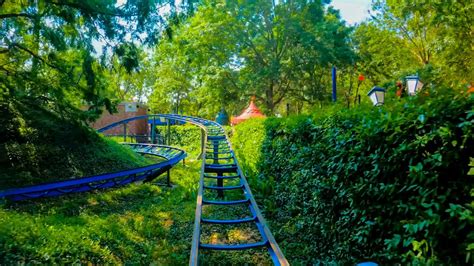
353	11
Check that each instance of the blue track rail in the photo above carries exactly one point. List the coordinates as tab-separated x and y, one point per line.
172	156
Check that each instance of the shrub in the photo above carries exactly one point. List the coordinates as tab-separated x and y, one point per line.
386	184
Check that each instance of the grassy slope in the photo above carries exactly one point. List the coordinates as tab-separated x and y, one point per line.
136	224
42	147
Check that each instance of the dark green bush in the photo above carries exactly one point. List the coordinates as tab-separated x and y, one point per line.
386	184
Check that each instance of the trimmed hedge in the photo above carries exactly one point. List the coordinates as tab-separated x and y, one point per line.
385	184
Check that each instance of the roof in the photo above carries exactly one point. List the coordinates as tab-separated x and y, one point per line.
374	89
250	112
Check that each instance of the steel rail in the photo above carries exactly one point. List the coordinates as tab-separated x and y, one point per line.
101	181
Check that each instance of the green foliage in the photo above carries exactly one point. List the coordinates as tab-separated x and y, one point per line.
39	146
430	37
247	139
385	184
47	53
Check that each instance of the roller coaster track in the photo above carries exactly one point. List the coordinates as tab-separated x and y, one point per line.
102	181
223	166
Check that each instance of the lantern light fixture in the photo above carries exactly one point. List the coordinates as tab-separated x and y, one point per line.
377	95
414	85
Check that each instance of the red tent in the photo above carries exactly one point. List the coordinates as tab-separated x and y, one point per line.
251	111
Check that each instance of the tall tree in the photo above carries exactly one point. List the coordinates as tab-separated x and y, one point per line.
437	33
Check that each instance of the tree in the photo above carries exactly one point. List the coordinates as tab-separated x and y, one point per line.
382	54
436	33
47	54
135	85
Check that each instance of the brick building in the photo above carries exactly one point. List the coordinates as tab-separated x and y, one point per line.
125	110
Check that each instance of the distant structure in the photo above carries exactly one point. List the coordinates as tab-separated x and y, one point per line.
125	110
251	112
222	118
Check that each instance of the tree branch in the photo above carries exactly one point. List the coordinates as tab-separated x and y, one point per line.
232	80
92	10
21	47
278	100
3	16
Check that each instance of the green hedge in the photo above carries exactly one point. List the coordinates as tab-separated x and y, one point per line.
385	184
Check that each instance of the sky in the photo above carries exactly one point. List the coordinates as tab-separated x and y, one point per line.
353	11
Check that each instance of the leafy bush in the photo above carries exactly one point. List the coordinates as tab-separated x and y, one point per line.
386	184
247	139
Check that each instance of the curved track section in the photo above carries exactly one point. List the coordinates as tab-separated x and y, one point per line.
219	166
172	156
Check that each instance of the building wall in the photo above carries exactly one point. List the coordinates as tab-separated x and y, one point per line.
125	110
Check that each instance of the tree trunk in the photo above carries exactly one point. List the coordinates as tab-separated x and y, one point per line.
269	101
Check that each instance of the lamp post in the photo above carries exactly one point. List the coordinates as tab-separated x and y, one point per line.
413	85
377	95
360	79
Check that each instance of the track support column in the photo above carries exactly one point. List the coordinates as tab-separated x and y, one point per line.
152	131
203	143
125	132
168	132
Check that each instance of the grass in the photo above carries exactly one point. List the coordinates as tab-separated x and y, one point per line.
137	224
140	223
